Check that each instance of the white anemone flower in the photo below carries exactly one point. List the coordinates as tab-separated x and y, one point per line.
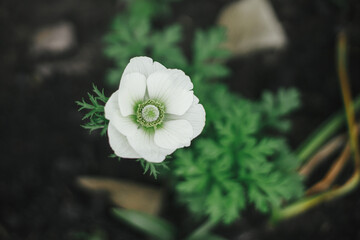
154	111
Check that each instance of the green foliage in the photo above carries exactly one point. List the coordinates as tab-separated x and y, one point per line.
164	47
208	57
149	9
124	41
203	232
276	106
234	164
153	168
96	234
95	111
152	226
131	35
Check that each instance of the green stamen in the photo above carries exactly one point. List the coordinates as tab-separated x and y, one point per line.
150	113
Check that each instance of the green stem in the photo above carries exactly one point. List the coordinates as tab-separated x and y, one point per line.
307	203
346	93
326	130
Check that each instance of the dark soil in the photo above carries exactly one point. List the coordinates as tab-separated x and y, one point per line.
44	149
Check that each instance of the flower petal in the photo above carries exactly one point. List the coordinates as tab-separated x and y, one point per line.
125	125
173	88
143	143
174	134
120	144
196	117
132	89
181	78
143	65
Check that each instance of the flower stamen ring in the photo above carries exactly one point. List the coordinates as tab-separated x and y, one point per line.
150	113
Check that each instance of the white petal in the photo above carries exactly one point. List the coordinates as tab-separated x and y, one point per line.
179	77
144	65
173	88
132	89
174	134
120	144
195	116
143	143
124	125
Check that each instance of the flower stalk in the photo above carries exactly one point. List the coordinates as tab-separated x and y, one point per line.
322	154
345	89
323	133
332	174
309	202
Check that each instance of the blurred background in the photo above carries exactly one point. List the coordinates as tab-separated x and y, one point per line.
52	51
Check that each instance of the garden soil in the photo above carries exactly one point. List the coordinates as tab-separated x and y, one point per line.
44	149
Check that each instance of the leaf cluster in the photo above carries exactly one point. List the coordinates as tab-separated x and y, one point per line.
131	35
236	165
95	116
153	168
208	57
276	106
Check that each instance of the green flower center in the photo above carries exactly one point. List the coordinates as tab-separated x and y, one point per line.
150	113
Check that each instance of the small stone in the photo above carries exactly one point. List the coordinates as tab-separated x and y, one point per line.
251	26
55	39
126	194
78	64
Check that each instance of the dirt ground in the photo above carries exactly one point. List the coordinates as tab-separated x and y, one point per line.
44	149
